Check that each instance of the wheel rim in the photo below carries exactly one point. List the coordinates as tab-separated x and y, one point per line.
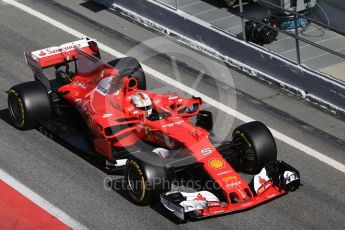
15	109
135	182
246	154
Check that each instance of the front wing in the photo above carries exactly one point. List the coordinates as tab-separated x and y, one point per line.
205	204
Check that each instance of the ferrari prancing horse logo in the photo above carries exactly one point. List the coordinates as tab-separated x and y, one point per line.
147	131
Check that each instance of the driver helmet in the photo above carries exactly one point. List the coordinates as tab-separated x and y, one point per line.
142	101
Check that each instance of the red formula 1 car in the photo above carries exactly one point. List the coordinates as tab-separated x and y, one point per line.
105	109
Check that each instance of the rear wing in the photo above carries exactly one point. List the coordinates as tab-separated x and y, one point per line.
52	56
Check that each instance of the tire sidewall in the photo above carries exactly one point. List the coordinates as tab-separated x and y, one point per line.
154	179
33	101
143	197
257	137
14	95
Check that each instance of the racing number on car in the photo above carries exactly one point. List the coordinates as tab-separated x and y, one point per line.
206	151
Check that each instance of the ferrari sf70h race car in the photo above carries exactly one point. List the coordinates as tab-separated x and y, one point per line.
104	109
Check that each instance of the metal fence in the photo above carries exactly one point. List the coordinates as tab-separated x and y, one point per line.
296	33
293	34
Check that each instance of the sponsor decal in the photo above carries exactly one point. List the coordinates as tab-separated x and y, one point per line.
218	211
106	115
173	123
206	151
147	131
262	181
213	204
216	163
264	187
42	53
55	50
199	197
102	89
224	172
104	86
80	84
229	178
261	190
233	184
58	49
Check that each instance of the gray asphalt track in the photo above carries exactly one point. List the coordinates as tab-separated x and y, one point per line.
76	185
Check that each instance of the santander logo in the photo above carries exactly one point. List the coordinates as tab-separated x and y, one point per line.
42	53
199	197
262	181
57	50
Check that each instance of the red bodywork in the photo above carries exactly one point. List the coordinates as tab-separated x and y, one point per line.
103	108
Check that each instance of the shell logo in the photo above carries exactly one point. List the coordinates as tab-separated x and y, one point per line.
216	163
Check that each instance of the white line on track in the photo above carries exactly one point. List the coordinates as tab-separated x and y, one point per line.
278	135
38	200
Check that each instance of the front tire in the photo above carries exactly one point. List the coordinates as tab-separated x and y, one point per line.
146	181
256	148
28	103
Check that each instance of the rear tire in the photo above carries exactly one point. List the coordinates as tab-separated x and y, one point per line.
257	146
28	103
130	63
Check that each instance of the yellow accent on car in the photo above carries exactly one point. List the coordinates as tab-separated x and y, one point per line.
136	166
21	106
216	163
246	140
